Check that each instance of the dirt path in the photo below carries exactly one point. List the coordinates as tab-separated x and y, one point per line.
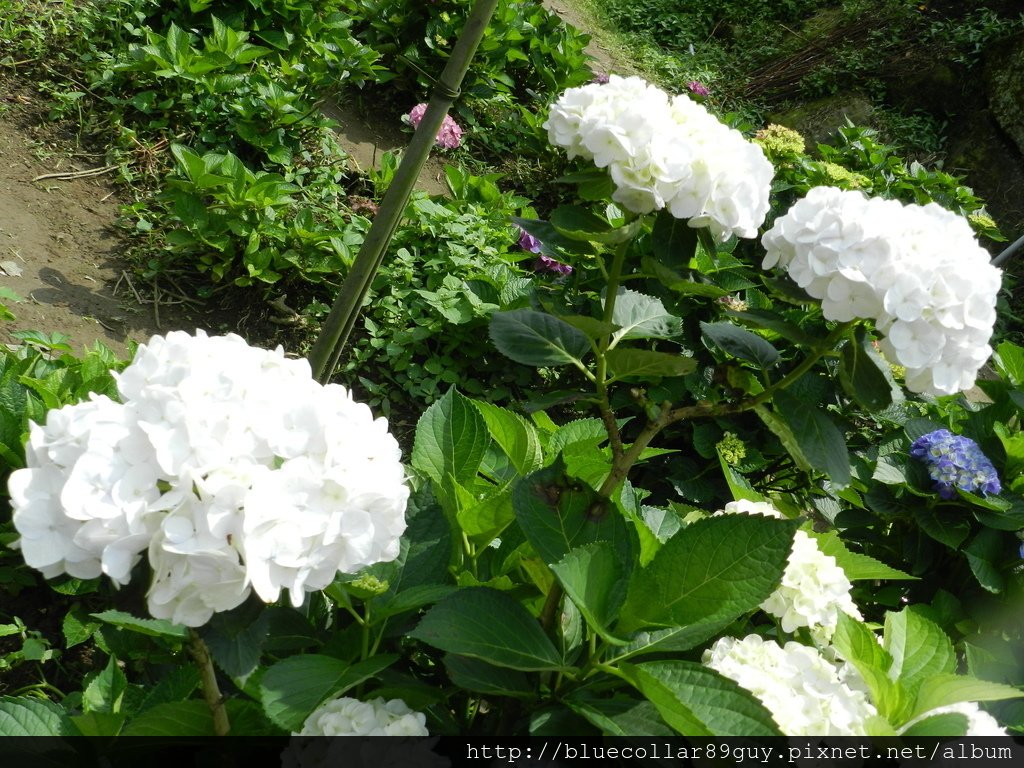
58	249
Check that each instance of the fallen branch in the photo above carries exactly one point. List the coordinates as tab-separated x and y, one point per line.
76	174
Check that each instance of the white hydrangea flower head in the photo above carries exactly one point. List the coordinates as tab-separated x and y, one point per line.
346	716
814	589
979	722
230	466
80	502
917	271
665	152
795	683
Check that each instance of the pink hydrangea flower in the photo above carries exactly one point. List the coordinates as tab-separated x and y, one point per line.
697	88
450	134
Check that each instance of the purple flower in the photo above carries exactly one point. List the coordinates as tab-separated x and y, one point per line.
697	88
955	462
547	264
450	134
600	78
528	242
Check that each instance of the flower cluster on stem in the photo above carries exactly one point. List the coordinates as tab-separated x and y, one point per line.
229	467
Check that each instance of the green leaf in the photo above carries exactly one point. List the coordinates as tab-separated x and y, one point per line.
100	723
857	644
716	568
621	716
642	317
643	363
480	677
595	579
741	343
1009	360
485	624
33	717
236	638
537	338
672	239
105	692
580	224
947	526
591	326
150	627
291	689
698	701
558	513
778	427
514	435
579	431
856	566
819	439
76	627
864	375
175	718
673	638
943	689
489	516
773	321
918	647
451	439
946	724
982	554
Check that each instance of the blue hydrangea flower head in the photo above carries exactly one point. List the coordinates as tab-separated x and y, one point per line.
955	462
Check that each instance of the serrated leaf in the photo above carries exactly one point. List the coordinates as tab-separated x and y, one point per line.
947	526
773	321
864	375
741	343
643	363
595	579
946	724
558	513
698	701
485	624
918	647
581	430
105	691
673	240
642	317
291	689
716	568
480	677
943	689
175	718
856	566
621	716
451	439
514	435
150	627
672	639
820	440
537	338
236	639
21	716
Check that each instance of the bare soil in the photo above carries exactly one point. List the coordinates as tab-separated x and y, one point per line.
59	249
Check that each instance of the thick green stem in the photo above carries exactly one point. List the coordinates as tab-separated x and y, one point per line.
601	374
324	356
208	682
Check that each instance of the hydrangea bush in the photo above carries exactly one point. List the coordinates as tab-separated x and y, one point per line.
561	569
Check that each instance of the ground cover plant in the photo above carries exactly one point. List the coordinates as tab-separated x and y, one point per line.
731	467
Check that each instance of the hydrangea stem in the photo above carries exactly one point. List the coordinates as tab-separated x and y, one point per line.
208	682
667	415
324	356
